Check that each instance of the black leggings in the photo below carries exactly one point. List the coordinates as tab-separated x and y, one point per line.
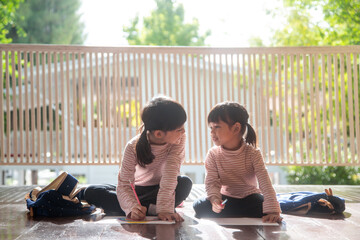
104	195
250	206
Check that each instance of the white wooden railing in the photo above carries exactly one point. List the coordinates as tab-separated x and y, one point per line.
303	101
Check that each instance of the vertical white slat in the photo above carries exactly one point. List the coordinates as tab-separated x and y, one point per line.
50	107
2	132
319	150
68	96
205	102
169	79
299	105
200	122
212	89
305	80
44	120
194	93
118	103
238	73
356	100
227	80
268	128
181	80
136	90
108	113
283	129
324	120
312	107
177	80
152	75
350	108
158	74
21	119
123	87
75	102
262	106
62	86
80	108
216	88
293	129
145	77
343	108
103	112
250	90
140	84
274	104
221	80
244	80
256	113
38	118
56	88
188	104
92	95
7	85
98	108
129	92
337	110
14	120
193	101
27	122
232	85
115	103
165	91
331	113
86	97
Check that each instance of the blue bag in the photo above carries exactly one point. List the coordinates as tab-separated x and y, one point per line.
311	202
58	199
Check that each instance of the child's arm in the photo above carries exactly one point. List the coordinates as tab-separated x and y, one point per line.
212	180
272	217
166	196
270	205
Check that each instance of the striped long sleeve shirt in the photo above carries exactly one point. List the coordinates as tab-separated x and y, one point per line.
238	174
162	171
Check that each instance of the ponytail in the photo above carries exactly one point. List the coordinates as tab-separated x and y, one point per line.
143	150
251	135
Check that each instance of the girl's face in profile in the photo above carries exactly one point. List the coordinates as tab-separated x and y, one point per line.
174	136
224	135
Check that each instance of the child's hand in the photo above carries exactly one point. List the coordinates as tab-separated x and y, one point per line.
170	216
272	218
217	206
138	212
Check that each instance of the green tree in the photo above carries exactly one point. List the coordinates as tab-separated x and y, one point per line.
48	22
7	17
165	27
320	23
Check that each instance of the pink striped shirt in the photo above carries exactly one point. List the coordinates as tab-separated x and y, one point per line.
162	171
238	174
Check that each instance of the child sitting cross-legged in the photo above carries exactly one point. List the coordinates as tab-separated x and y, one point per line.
235	170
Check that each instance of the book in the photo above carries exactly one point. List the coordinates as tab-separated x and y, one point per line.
147	220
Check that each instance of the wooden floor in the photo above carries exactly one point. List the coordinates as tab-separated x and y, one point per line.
15	222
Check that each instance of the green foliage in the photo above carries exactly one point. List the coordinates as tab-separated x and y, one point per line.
7	17
48	22
323	175
165	27
318	23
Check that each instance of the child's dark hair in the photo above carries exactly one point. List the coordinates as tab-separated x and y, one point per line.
161	113
231	113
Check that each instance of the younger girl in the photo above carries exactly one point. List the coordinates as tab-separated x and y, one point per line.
151	163
234	170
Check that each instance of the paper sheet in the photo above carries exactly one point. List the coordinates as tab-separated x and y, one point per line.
147	220
240	221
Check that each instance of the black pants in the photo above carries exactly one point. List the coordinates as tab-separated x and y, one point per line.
250	206
104	195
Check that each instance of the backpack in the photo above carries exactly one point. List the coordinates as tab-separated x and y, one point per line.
310	202
58	199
